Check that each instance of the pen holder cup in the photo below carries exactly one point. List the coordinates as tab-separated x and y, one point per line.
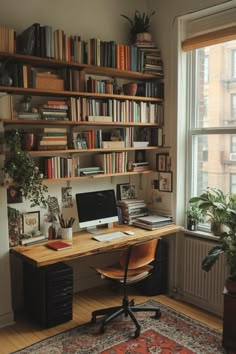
66	233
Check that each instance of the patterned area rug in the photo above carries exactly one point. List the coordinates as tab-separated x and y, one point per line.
172	333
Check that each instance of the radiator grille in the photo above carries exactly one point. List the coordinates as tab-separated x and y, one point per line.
206	287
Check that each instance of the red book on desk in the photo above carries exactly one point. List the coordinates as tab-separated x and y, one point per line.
58	245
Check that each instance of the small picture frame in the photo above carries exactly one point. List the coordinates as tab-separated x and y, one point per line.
165	181
161	162
126	191
14	195
30	222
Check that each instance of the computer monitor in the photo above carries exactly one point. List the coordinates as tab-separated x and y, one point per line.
96	208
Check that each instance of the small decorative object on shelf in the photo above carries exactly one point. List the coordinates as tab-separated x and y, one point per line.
130	89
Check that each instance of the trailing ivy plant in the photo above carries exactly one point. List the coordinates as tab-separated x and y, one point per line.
21	167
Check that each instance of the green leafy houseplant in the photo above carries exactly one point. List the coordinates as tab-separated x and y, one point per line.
21	167
222	208
139	23
194	216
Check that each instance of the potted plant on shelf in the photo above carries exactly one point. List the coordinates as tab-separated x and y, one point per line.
140	26
21	168
194	216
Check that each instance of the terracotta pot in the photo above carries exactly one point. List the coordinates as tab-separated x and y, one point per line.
130	89
28	141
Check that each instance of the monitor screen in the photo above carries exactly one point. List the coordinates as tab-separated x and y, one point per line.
96	208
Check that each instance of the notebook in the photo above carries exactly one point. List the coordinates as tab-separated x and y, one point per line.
58	245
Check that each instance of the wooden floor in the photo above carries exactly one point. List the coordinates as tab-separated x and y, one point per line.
24	333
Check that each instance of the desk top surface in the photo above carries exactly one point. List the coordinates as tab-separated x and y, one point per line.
83	245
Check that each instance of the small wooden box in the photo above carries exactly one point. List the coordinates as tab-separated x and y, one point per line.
49	84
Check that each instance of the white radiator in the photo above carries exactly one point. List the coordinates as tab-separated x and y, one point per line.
199	287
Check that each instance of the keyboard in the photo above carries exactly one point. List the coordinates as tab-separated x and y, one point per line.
109	237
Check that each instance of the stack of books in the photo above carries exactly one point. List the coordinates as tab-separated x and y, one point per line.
53	139
55	110
30	240
131	209
140	166
152	222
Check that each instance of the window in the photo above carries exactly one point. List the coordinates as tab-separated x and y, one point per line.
212	119
234	64
233	183
233	106
206	68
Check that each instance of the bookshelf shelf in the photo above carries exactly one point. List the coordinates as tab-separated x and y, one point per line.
97	176
89	69
82	123
37	92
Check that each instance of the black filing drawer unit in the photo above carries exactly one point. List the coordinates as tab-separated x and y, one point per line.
48	293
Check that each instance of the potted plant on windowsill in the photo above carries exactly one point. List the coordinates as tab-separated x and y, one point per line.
221	208
22	170
212	203
194	216
140	26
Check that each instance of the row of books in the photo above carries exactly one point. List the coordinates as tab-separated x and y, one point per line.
120	111
43	41
60	167
115	162
131	209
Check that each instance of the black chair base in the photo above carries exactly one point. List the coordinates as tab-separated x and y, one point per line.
127	308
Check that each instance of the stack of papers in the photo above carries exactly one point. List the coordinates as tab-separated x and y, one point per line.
152	222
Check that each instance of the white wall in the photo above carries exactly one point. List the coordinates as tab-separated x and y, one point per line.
87	18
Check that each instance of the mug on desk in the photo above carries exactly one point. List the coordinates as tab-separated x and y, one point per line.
66	233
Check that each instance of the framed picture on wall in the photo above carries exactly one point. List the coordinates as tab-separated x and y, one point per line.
165	181
31	222
161	162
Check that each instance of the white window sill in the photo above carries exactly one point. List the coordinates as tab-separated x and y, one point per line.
202	234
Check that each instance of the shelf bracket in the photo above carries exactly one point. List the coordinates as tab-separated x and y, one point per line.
141	182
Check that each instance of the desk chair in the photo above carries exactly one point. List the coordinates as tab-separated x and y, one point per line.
133	267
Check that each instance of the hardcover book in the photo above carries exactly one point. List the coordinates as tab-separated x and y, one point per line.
58	245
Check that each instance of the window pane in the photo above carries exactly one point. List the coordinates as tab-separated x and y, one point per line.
219	168
233	64
215	95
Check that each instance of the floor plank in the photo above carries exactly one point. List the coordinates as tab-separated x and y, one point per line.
24	333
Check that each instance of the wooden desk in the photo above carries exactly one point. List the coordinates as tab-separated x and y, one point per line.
83	245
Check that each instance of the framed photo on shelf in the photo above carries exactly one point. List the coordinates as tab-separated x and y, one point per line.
126	191
14	195
30	222
165	181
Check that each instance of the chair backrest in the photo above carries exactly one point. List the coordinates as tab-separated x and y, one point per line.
139	254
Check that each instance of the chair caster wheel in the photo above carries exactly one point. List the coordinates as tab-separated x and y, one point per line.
137	333
132	302
93	319
157	315
102	330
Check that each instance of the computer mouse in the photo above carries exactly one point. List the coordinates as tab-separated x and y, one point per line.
129	232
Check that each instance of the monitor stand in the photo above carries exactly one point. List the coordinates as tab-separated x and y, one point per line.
96	231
